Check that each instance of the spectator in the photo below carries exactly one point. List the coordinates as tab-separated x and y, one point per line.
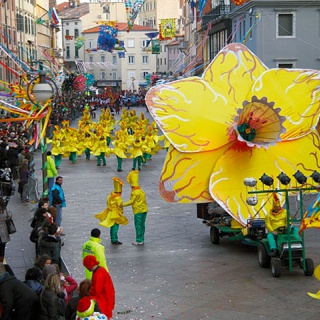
57	198
50	243
18	300
33	279
4	235
69	285
52	303
13	158
24	173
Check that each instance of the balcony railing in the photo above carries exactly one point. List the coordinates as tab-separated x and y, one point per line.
221	11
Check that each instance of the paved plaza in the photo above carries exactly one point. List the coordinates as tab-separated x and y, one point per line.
178	274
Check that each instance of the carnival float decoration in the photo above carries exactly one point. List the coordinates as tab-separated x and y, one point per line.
238	119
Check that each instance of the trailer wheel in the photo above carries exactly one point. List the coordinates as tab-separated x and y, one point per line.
214	235
263	257
276	267
309	267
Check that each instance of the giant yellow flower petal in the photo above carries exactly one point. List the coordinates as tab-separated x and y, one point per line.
185	176
240	162
196	114
297	93
233	73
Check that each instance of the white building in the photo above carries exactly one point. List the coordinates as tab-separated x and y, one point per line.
125	73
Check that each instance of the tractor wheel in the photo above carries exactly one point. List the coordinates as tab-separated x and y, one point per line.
276	267
309	267
263	257
214	235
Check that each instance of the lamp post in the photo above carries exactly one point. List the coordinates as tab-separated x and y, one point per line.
39	90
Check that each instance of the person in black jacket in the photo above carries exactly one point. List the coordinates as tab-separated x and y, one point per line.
50	244
13	159
52	303
18	300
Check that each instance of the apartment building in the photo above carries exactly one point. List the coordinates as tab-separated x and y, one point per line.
126	73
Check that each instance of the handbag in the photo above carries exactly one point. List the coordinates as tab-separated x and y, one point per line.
10	224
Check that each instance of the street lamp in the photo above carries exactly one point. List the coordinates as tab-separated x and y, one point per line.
40	90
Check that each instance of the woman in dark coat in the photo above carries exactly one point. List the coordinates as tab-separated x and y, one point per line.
52	303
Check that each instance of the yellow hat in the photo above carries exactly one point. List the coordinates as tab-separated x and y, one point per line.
117	184
133	178
276	201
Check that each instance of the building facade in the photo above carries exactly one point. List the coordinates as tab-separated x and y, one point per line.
126	73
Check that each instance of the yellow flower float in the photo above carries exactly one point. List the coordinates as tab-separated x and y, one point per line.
239	120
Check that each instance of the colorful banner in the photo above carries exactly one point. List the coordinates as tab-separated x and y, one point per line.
155	46
79	42
311	218
133	7
167	29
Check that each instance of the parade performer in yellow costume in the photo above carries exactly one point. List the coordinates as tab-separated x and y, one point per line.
136	151
101	150
121	144
112	215
276	222
56	149
139	206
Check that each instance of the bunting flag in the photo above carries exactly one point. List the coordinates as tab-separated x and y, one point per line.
202	4
167	29
311	218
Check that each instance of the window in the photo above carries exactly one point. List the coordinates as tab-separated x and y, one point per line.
285	65
114	59
244	28
144	74
102	75
251	22
286	25
67	51
131	75
90	44
114	76
103	58
131	59
76	52
90	58
76	33
145	59
67	32
130	43
67	23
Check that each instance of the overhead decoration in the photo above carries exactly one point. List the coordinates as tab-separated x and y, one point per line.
133	7
155	46
202	4
67	37
79	42
239	120
167	29
53	16
151	35
239	2
107	38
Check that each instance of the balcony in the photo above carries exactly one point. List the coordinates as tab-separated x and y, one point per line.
217	13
